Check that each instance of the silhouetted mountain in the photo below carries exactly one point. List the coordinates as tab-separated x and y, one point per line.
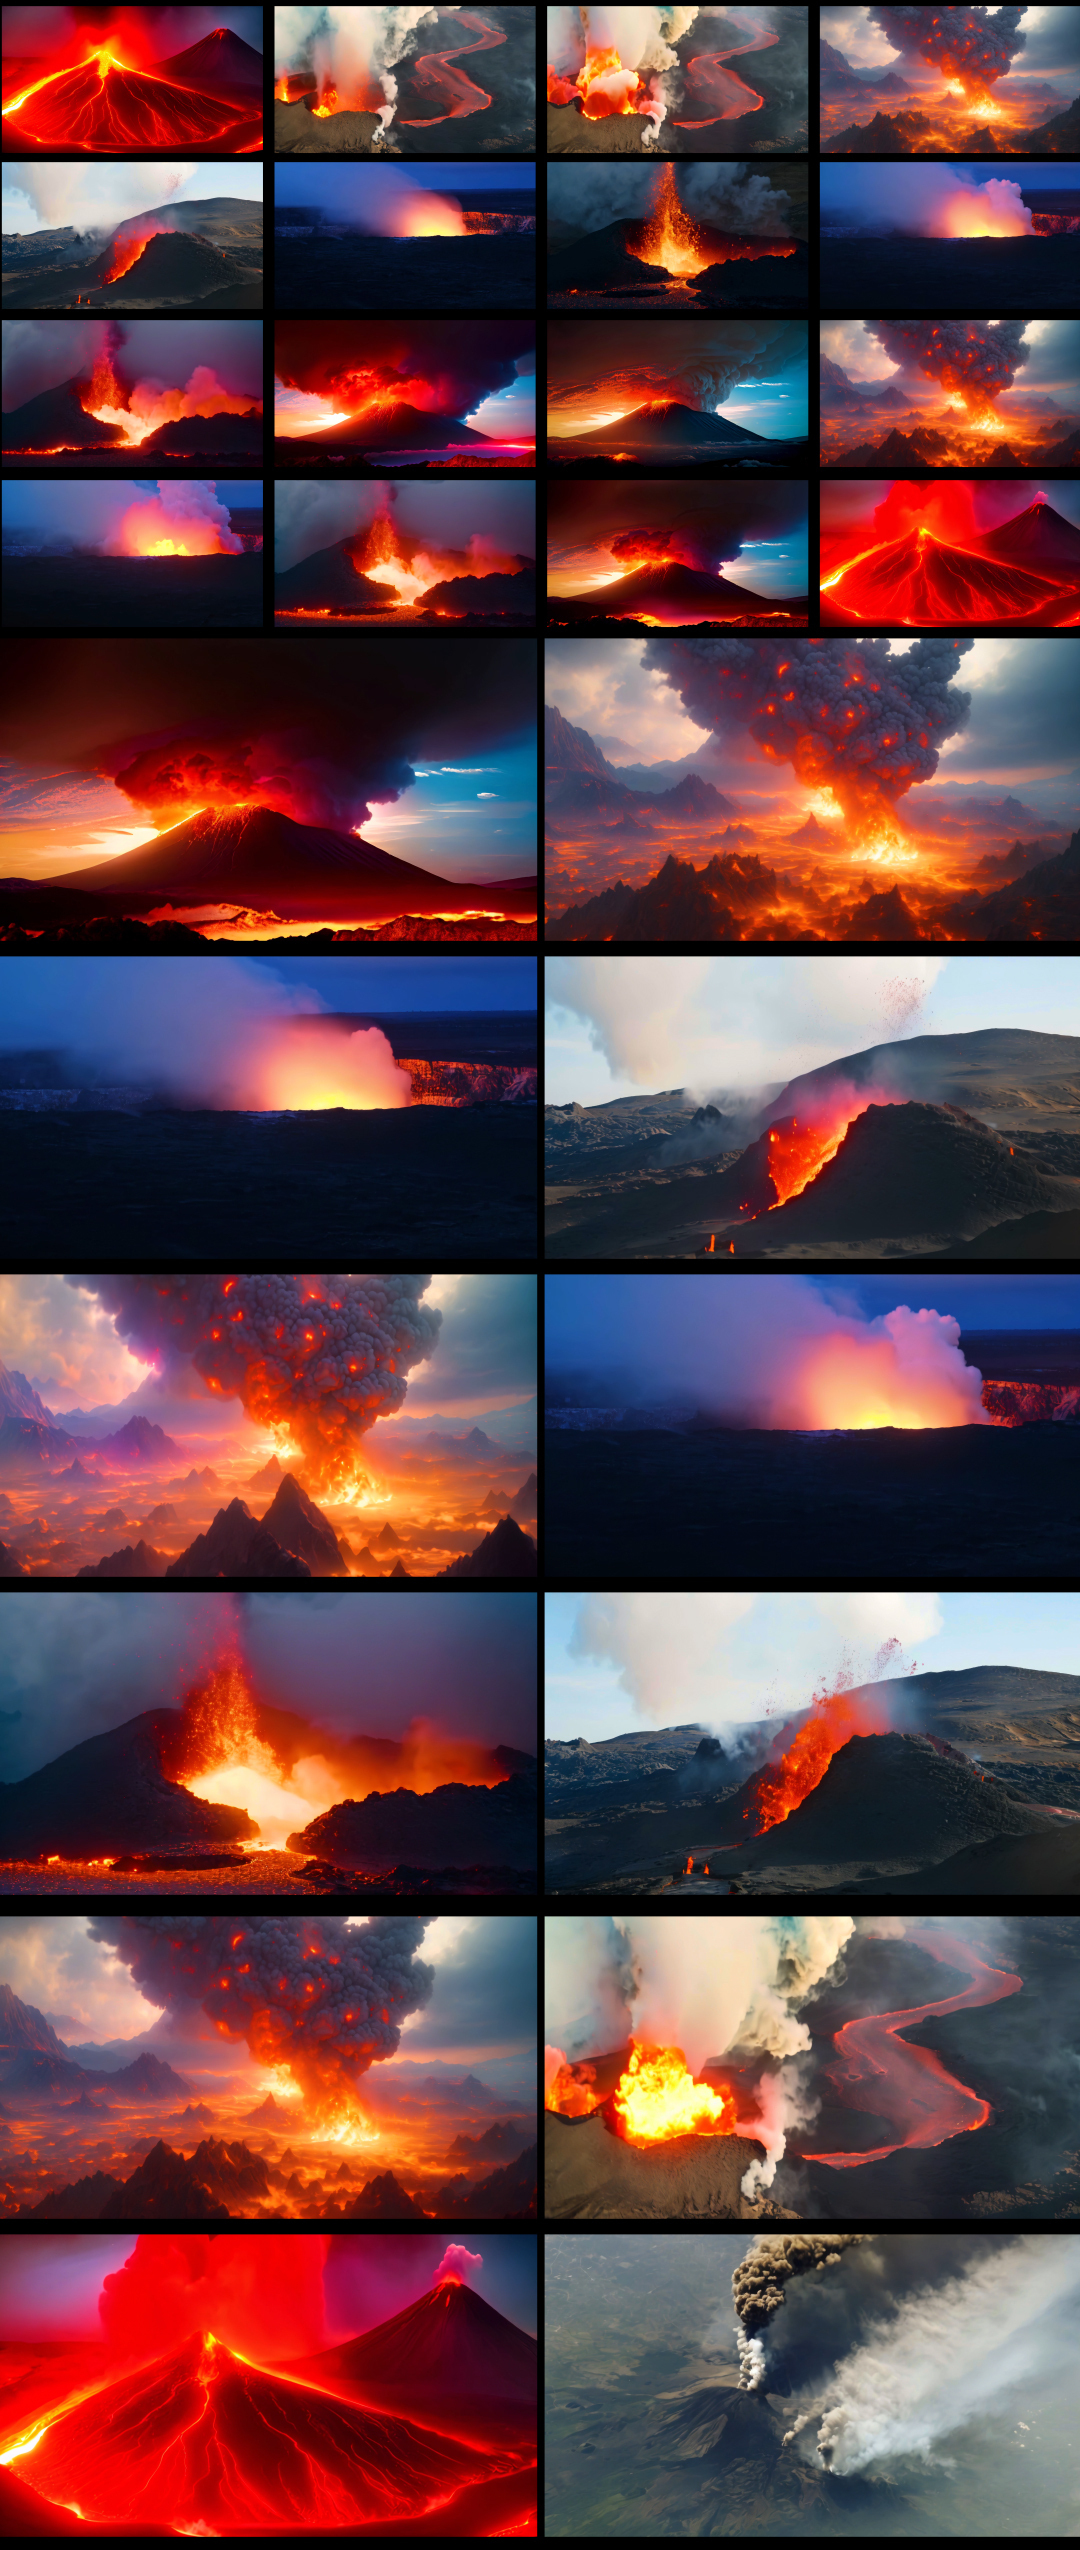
506	1551
259	857
667	591
222	65
56	420
174	265
9	1564
502	2141
83	2202
327	580
167	2186
236	1545
382	2200
110	1794
23	2028
1040	537
668	425
142	1560
451	2344
270	1474
453	1825
268	2114
523	1505
297	1525
509	2195
190	435
400	428
193	2116
31	1443
499	593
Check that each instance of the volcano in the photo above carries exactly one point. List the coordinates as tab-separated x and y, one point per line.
1028	571
669	425
258	857
449	2347
57	421
671	593
222	2445
173	266
905	1800
395	429
111	1794
99	105
327	580
222	65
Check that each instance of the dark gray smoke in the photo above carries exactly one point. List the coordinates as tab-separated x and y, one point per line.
760	2281
729	194
972	46
968	356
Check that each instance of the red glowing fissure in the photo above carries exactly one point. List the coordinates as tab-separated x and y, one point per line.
438	76
102	104
879	2071
712	85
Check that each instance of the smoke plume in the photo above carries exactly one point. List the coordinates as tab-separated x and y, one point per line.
184	517
759	2282
973	47
458	2266
732	1660
352	52
729	194
263	2296
767	1354
697	362
972	359
640	38
318	1358
925	200
444	366
316	1995
952	2351
849	716
429	520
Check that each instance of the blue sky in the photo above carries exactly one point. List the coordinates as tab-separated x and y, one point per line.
411	982
620	1024
776	406
772	566
342	187
616	1663
588	1314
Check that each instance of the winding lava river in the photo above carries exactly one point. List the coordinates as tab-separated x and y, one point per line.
879	2071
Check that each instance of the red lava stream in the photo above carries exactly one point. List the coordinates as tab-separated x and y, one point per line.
879	2071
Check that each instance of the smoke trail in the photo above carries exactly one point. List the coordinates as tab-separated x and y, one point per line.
969	46
950	2353
319	1358
315	1994
719	1659
759	2282
970	358
458	2266
663	1981
849	716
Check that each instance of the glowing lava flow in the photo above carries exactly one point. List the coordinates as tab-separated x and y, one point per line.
127	250
879	2071
926	582
210	2442
101	104
658	2099
778	1789
438	76
148	406
569	2088
723	89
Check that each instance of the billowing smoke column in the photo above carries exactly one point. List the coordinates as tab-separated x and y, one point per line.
971	47
851	717
458	2265
186	519
443	366
263	2297
318	1358
953	2352
353	54
663	1982
729	194
611	61
315	1995
138	374
972	360
759	2282
690	362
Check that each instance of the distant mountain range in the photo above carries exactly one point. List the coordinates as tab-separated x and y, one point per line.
581	785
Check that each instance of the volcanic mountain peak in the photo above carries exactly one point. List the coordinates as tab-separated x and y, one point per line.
399	428
671	422
256	855
650	587
236	1545
221	64
569	747
1040	536
298	1525
506	1551
56	420
18	1398
451	2340
110	1794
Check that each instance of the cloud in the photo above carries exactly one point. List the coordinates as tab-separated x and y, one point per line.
682	1022
53	1966
487	1347
723	1660
485	1991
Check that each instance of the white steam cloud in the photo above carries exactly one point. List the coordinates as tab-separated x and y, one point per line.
952	2352
724	1660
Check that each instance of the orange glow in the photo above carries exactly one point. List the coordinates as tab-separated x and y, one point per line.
127	250
658	2099
670	238
602	88
569	2088
983	212
836	1716
149	530
148	407
328	1070
861	1382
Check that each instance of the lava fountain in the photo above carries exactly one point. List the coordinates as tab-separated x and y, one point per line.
670	238
658	2099
147	406
781	1786
877	2070
602	87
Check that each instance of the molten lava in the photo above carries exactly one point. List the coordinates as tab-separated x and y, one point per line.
125	251
102	104
658	2099
142	410
879	2071
670	238
602	88
439	79
835	1717
570	2088
711	84
931	575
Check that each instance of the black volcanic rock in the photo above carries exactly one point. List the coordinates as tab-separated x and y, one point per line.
165	2188
509	2195
382	2200
1038	537
1043	904
328	580
399	428
496	593
883	916
502	2141
888	1797
55	421
260	857
190	435
147	2077
236	1545
453	1824
649	589
174	265
110	1794
138	1561
1063	455
569	747
913	1169
670	426
85	2201
506	1551
680	901
297	1525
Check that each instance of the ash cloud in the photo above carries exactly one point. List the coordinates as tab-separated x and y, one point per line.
729	194
697	362
197	1029
320	1995
972	46
310	517
968	356
445	366
759	2283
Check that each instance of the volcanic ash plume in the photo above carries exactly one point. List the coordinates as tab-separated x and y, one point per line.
457	2265
852	718
614	60
973	361
316	1996
970	47
317	1358
186	519
354	51
759	2282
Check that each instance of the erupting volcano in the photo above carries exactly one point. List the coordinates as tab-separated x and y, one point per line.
949	86
400	563
651	64
933	563
985	410
909	2084
154	2434
654	557
82	86
400	389
402	73
697	232
96	389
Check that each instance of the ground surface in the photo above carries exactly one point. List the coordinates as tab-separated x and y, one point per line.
364	273
948	274
134	593
459	1180
976	1501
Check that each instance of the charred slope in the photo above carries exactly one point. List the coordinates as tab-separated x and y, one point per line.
680	901
327	580
110	1794
1043	904
673	587
173	266
453	1822
451	2343
55	421
236	1545
910	1170
399	429
668	426
984	1068
260	857
228	2447
589	2172
298	1526
509	2195
892	1797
